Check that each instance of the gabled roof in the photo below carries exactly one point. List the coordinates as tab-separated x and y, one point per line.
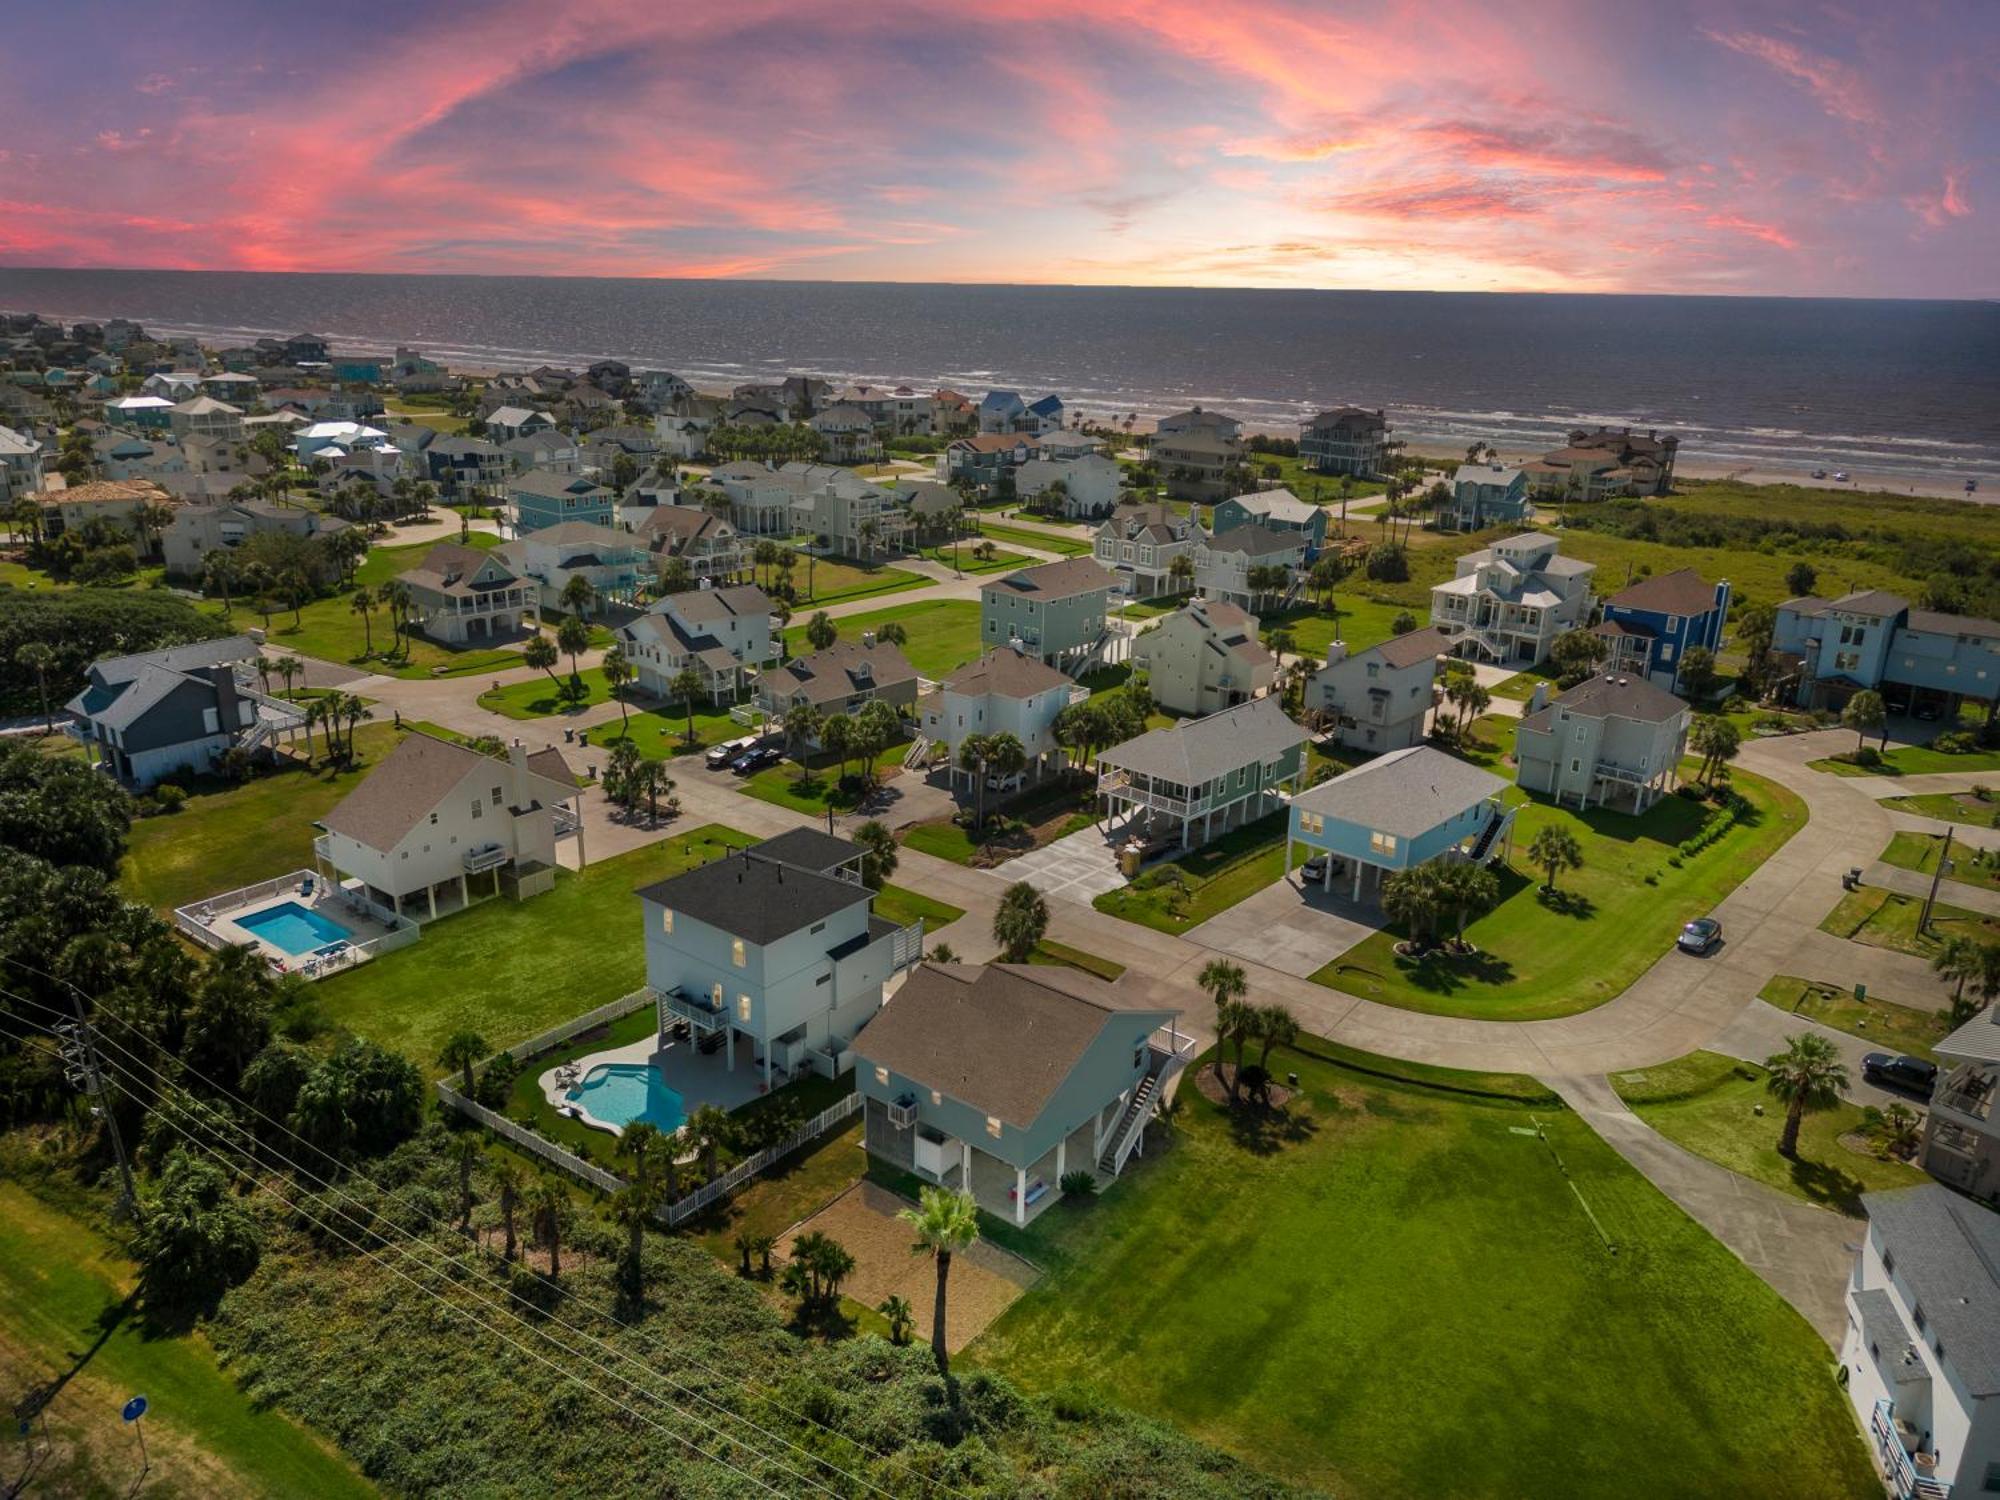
1056	580
999	1037
758	899
231	648
574	533
701	606
409	783
1005	673
1681	592
549	485
1200	750
1406	792
1254	540
996	442
1280	505
1947	1254
1938	623
1609	695
840	671
682	524
447	566
1410	648
1870	602
514	416
809	849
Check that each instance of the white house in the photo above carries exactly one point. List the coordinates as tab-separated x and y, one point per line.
717	633
1003	692
1922	1348
1223	563
1510	601
1204	657
1139	543
506	423
20	465
461	594
1609	740
1962	1132
437	824
613	561
1379	699
1090	482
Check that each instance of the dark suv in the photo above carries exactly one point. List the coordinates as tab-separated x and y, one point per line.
1900	1072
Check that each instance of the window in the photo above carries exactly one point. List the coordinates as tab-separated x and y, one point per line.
742	1007
1666	653
1382	843
715	994
1846	661
1917	1315
1991	1486
881	1075
666	920
475	807
496	796
737	955
1575	765
1374	669
937	1096
819	927
211	721
1312	822
993	1126
434	820
1888	1263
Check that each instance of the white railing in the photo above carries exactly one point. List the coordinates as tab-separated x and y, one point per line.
189	918
907	945
1903	1476
1123	789
557	1156
555	1036
479	861
750	1166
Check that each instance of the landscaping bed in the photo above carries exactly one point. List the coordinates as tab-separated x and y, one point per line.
820	790
1038	817
1898	1028
1184	892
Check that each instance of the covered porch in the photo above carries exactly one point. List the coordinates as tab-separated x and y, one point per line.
1149	804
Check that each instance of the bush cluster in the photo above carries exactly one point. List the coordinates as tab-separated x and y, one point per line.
1730	808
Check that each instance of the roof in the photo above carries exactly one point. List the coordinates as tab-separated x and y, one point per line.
550	765
1280	505
230	648
999	1037
1348	416
569	533
1056	580
548	484
1942	624
996	442
1256	541
1610	696
1870	602
1006	673
682	524
401	792
1412	647
445	566
207	406
700	605
840	671
1406	792
1977	1040
107	492
1681	592
514	416
1500	474
1200	750
152	684
809	849
1947	1254
1808	606
756	898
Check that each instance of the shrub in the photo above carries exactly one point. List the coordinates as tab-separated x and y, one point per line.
1388	563
1867	755
1079	1185
1954	742
168	798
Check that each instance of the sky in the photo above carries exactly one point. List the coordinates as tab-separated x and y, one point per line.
1845	148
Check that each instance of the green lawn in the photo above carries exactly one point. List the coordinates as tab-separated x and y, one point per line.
221	840
1709	1104
999	562
509	969
834	580
1062	956
1899	1028
1395	1290
1884	919
1038	816
899	904
1970	865
1541	957
1015	536
1950	807
1913	760
661	734
62	1299
819	790
1521	686
1181	893
538	697
944	633
1361	623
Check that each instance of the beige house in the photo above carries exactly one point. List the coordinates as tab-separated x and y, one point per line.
1139	543
117	502
843	679
1197	464
1205	657
459	595
197	532
708	544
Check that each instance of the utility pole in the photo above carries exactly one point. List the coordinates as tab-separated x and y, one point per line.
85	1071
1937	875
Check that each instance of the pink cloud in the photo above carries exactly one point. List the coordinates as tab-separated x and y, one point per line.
1837	88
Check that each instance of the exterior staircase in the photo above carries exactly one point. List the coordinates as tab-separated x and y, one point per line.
918	754
1130	1125
1488	836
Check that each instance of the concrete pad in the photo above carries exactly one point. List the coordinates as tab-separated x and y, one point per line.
1078	868
1296	931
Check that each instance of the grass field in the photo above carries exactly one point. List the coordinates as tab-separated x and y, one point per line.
1041	541
1394	1290
224	839
1062	955
834	580
661	734
63	1308
819	790
1361	623
1913	760
538	697
944	633
1708	1103
1950	807
999	562
1899	1028
1181	893
509	969
1970	865
901	905
1541	957
1886	920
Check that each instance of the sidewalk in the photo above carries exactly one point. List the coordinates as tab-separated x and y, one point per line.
1949	892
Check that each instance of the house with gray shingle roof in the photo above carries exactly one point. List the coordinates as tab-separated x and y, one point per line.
1508	602
716	633
1139	543
1827	650
1921	1352
1380	699
1203	776
1962	1131
1227	564
1399	811
1055	610
460	594
152	715
1612	740
1204	657
843	679
1003	692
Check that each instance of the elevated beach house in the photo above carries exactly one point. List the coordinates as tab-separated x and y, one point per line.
1055	611
772	955
1962	1130
437	825
612	561
1202	777
1489	494
1204	657
1508	602
1004	692
1826	650
1139	543
460	594
1274	510
708	544
1345	440
717	633
1399	811
148	716
1228	564
1650	626
1379	699
843	679
1200	464
997	1079
542	498
1610	741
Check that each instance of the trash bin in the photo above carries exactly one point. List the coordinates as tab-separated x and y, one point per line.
1129	859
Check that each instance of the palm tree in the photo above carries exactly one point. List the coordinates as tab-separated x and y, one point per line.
895	1309
1415	898
549	1208
541	654
633	1207
1555	849
972	760
1276	1027
509	1181
1957	962
353	710
578	595
573	637
1716	741
364	606
821	632
618	674
1225	985
651	782
1467	890
686	686
1019	922
466	1153
220	575
1807	1075
38	657
710	1130
765	555
397	599
288	668
461	1050
945	1222
836	737
1866	711
802	727
1006	756
878	853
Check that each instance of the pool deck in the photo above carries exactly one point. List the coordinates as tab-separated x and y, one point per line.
698	1079
325	902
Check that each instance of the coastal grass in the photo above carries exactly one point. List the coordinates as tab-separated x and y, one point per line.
662	733
944	633
1912	760
229	837
1041	541
1898	1028
999	562
509	969
330	629
1186	891
1061	955
1886	919
1035	818
823	786
836	580
66	1309
1467	1233
1542	955
1710	1105
1950	807
788	1193
1970	864
901	905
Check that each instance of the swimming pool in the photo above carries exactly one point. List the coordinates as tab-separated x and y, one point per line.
619	1093
294	928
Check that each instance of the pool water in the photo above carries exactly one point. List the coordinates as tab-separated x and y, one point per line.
620	1093
294	928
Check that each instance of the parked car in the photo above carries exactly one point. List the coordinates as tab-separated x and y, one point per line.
1700	935
1928	711
1900	1071
722	754
755	759
1313	870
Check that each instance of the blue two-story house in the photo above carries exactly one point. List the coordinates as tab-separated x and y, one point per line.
1274	510
543	497
1921	661
1489	494
1650	627
998	1079
1396	812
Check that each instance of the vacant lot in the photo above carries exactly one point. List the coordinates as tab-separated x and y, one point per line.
1899	1028
944	633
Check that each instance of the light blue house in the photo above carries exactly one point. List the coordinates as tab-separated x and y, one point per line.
1919	660
366	369
998	1079
543	497
1002	411
1487	495
1274	510
1650	627
1399	811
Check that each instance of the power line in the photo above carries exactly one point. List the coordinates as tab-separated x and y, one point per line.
708	1370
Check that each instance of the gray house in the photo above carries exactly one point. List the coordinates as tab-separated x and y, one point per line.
199	531
999	1078
1214	773
1224	562
1056	611
148	716
843	679
1379	699
1608	740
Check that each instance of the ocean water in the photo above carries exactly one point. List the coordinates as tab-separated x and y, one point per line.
1903	388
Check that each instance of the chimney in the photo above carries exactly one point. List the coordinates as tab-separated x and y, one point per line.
867	640
1336	651
1539	698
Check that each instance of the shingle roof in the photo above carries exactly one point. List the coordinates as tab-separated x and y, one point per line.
809	849
1943	624
1412	647
140	694
1256	541
230	648
682	524
1947	1254
567	533
550	485
1681	592
400	792
840	671
1280	505
1625	697
1006	672
1978	1039
1200	750
755	898
698	606
1406	792
1057	580
999	1037
1871	602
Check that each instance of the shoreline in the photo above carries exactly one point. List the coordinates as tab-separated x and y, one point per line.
1859	481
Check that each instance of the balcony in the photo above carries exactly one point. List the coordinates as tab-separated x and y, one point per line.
1907	1480
485	857
705	1016
903	1113
1126	790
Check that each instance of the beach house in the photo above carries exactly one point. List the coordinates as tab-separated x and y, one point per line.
1490	494
612	561
459	595
206	417
1230	564
542	498
1274	510
1379	699
198	532
1055	611
1920	660
1610	741
717	633
1090	482
1508	602
1004	692
848	434
1204	657
843	679
1001	1079
1398	811
1962	1129
709	546
1204	776
20	465
505	423
177	712
1139	543
1345	440
1199	464
1650	626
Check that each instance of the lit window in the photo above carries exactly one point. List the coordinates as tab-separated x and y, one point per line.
742	1007
937	1096
993	1126
715	994
737	955
881	1075
1382	843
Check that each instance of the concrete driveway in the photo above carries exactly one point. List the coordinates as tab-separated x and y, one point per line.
1297	932
1078	868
